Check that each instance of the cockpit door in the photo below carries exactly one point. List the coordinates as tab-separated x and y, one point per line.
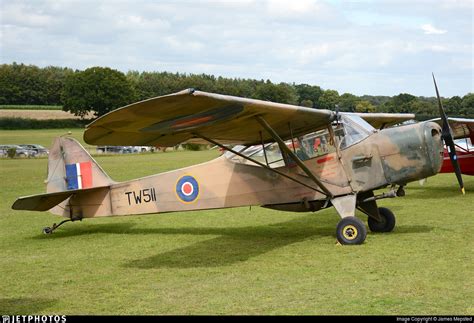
363	167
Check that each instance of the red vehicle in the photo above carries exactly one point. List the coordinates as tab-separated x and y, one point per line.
465	156
463	133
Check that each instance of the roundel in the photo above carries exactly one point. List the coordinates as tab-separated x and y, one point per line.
187	189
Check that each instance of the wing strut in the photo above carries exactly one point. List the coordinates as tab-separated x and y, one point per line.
256	162
293	156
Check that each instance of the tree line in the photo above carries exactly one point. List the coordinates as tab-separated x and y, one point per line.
102	89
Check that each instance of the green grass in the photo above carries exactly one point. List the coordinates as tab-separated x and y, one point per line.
234	261
42	137
30	107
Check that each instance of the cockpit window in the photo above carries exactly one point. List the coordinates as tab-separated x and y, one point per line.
309	146
360	122
316	144
464	144
272	152
352	129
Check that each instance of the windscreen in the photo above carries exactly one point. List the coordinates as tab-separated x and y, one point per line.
351	129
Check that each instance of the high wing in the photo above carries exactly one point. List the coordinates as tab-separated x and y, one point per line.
383	120
461	127
187	115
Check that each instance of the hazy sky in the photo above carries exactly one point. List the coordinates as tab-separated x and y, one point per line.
380	47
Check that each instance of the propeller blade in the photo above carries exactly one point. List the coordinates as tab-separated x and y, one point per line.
447	136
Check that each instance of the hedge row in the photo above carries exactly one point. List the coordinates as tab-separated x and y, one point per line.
24	123
30	107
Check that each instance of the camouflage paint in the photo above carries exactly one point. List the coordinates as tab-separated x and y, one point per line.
390	156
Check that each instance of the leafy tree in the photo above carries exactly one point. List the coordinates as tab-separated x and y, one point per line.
364	106
8	90
201	82
376	100
328	100
148	85
308	95
451	106
21	84
282	93
236	87
29	84
423	109
306	103
348	103
467	107
133	78
103	89
399	104
54	79
98	89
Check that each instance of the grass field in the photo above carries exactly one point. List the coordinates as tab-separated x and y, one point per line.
40	114
233	261
42	137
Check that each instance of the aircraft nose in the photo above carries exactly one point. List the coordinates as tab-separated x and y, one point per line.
434	143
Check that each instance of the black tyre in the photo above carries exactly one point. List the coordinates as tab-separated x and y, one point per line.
350	231
386	225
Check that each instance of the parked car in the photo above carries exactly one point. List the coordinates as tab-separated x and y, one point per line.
19	151
142	149
40	150
124	149
128	150
115	149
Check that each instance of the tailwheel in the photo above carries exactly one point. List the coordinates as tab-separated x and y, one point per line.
50	230
386	224
351	230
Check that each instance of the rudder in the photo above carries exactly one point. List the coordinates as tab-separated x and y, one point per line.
71	167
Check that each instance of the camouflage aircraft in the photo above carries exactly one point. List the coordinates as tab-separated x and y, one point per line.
284	157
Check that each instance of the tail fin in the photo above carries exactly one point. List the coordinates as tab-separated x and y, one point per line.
71	172
71	167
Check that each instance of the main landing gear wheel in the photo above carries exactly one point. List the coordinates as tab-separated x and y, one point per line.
386	225
351	230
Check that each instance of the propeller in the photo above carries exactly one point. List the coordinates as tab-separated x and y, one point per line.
447	136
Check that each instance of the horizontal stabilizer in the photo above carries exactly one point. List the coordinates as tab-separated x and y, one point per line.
44	202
